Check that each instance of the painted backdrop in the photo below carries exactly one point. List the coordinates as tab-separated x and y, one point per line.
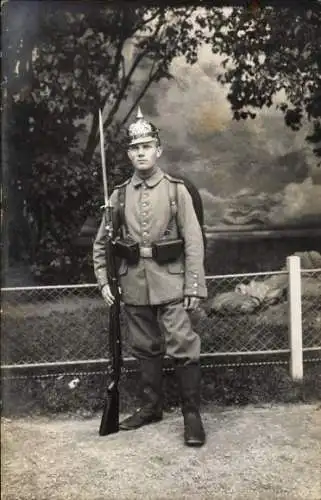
255	174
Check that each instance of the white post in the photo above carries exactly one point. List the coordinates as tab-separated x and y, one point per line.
295	317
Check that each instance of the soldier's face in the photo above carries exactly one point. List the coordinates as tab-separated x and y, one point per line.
144	155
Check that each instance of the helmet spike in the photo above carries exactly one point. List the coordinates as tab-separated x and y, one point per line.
139	115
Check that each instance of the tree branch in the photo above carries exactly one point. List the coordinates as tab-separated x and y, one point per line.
150	80
151	18
92	138
123	67
127	79
118	59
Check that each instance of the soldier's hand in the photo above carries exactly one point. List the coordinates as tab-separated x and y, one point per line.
107	295
191	303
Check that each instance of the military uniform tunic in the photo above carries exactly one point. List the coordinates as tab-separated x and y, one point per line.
147	214
150	290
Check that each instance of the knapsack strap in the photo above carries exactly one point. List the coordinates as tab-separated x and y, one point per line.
121	202
173	197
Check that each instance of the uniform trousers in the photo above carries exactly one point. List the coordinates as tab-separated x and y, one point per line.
162	329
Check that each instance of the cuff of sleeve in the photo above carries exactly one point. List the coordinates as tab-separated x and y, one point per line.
101	277
193	288
201	292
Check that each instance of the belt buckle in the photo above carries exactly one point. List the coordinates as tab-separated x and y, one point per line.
146	252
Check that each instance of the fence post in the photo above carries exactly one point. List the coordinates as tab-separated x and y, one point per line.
295	317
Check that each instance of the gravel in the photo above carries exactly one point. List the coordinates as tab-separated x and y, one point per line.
266	452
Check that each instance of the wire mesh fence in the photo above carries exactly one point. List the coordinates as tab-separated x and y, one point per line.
49	324
311	308
243	314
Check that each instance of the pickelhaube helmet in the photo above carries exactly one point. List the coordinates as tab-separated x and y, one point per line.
141	130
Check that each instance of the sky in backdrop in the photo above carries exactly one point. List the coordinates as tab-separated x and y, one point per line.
248	172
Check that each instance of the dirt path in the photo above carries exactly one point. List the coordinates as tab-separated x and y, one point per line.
251	453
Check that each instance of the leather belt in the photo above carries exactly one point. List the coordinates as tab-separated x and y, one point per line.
145	252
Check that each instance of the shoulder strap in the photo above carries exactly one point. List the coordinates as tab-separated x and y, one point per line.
122	203
173	200
173	196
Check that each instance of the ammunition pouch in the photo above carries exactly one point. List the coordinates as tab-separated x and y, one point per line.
127	249
165	251
162	251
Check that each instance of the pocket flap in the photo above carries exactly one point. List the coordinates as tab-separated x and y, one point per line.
176	267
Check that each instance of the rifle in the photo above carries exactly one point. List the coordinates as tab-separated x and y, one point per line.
110	418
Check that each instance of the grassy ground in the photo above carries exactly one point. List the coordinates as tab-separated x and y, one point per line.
83	393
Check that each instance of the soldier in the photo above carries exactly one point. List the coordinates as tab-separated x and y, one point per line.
155	211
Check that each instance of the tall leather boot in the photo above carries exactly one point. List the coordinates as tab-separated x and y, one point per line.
189	378
152	409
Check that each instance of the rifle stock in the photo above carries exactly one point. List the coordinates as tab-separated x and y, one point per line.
110	418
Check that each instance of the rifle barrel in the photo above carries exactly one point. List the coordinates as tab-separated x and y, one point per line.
110	418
